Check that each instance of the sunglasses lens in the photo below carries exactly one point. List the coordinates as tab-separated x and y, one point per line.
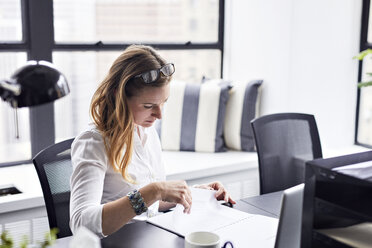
146	77
150	76
154	75
167	70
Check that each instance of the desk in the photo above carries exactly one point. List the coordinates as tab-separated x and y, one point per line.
143	234
268	204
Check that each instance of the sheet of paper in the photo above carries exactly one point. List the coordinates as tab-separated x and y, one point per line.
208	215
257	231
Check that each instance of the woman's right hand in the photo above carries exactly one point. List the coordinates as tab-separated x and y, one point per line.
177	192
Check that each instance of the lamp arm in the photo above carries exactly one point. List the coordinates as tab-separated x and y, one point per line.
14	89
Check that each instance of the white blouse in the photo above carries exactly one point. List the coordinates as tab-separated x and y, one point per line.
94	182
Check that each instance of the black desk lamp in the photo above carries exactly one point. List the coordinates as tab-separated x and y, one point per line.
35	83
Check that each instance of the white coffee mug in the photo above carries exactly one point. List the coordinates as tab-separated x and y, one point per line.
204	240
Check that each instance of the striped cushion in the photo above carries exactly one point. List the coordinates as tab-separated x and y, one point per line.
193	117
241	108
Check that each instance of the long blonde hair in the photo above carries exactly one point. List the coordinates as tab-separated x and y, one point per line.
109	107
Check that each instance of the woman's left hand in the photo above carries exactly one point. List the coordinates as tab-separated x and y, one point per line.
221	193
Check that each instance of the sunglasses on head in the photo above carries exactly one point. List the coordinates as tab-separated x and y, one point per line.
151	76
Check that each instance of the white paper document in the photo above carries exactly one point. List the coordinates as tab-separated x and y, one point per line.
208	215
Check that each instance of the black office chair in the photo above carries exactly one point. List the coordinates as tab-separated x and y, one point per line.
284	143
53	166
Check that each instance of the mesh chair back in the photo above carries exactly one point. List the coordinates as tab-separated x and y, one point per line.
284	143
53	166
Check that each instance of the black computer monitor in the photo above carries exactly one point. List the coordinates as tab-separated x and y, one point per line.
334	201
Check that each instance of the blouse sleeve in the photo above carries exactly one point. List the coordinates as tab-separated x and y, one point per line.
89	162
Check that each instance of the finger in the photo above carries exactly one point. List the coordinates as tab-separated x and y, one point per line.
219	192
208	187
227	196
216	185
189	201
232	201
188	191
202	186
186	205
213	185
188	198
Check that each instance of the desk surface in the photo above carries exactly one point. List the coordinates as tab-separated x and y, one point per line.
268	204
141	234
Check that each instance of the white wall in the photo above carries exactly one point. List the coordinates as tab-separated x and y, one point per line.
303	50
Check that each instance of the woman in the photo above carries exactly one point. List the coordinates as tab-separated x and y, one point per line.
117	165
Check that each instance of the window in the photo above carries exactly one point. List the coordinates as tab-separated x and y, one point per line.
14	139
10	21
131	21
82	38
13	145
84	71
364	105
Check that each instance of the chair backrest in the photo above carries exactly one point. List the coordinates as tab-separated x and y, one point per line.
53	166
284	142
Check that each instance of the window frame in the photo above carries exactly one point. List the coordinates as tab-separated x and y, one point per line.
363	45
39	44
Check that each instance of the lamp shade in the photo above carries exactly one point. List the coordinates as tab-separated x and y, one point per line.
35	83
